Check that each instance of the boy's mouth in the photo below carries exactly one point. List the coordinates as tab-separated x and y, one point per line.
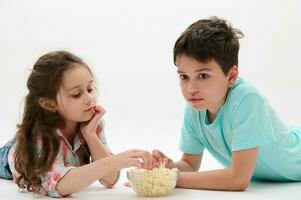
195	100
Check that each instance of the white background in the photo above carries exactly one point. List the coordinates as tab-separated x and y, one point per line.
128	44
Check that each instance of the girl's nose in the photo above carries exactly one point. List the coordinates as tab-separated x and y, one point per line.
89	99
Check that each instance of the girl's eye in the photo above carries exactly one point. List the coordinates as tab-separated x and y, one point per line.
183	77
203	76
90	90
76	95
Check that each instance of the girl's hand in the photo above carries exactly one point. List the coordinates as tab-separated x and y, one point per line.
93	126
134	157
162	158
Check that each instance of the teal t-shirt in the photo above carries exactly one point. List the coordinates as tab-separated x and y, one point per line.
244	121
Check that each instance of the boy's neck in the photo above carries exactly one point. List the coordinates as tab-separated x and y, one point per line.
211	116
212	113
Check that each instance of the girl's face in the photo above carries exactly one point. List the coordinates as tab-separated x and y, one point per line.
76	98
204	85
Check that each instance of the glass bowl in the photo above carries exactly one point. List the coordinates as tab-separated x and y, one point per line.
153	183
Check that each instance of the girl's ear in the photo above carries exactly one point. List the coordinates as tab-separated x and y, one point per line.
47	104
232	75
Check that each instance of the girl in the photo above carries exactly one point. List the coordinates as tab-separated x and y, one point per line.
60	146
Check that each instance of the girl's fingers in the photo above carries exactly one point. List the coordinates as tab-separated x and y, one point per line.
136	162
97	116
100	110
158	155
149	161
146	158
127	184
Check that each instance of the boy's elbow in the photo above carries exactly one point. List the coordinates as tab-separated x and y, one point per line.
240	186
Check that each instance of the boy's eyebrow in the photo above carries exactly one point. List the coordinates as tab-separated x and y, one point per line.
199	70
203	69
78	86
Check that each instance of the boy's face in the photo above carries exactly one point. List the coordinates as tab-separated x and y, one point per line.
204	85
76	98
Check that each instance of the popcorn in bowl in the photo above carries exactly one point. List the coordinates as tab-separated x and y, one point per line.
151	183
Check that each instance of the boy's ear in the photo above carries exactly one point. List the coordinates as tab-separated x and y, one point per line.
47	104
232	76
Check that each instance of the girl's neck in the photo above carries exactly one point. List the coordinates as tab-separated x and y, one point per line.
69	131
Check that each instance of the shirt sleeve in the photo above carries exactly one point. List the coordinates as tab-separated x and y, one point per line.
50	179
190	142
252	126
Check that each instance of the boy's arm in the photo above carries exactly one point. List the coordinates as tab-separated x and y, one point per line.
189	162
234	178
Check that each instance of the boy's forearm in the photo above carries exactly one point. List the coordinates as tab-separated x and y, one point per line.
184	166
223	179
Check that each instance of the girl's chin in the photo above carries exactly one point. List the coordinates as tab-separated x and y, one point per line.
87	118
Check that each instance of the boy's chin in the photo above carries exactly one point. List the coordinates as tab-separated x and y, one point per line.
198	107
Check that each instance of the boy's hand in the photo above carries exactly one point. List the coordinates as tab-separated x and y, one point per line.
93	125
162	158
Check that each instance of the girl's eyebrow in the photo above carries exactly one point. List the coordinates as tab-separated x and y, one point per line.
78	86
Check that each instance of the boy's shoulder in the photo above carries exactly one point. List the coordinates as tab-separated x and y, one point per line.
242	90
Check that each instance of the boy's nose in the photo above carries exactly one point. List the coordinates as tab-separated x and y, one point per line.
192	89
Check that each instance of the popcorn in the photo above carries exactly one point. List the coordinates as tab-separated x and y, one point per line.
156	182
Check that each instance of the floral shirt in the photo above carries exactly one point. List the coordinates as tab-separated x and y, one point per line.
68	157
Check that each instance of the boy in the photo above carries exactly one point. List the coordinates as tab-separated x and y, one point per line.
227	116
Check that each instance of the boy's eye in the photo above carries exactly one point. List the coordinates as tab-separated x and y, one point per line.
203	76
183	77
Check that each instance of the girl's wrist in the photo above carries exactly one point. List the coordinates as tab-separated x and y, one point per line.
89	136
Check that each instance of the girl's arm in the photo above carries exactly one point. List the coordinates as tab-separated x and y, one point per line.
81	177
90	132
234	178
98	151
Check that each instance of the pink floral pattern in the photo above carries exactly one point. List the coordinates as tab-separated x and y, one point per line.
68	158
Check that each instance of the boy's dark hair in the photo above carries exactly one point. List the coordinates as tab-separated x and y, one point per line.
207	39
